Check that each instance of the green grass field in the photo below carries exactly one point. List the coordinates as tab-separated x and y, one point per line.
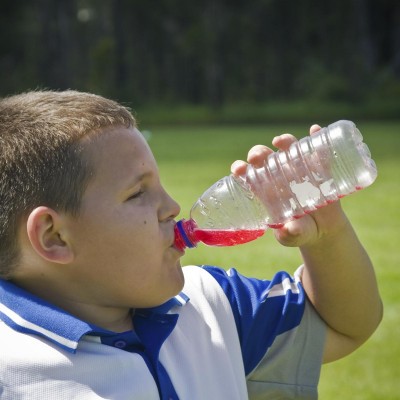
192	158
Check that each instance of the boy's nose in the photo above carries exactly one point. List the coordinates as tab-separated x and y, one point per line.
170	208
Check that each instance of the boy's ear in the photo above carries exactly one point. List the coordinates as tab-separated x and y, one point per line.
46	233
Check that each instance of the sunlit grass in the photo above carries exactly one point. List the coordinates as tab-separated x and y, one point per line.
192	158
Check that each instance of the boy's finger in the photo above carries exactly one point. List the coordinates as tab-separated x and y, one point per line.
283	142
238	167
314	128
258	154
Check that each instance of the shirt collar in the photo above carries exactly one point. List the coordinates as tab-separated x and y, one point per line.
27	313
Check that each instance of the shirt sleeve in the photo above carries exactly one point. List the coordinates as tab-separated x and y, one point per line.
281	336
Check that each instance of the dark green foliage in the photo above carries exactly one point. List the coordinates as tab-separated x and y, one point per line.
212	52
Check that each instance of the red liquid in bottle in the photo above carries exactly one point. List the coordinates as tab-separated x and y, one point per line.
227	237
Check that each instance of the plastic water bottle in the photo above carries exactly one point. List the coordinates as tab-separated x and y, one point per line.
314	172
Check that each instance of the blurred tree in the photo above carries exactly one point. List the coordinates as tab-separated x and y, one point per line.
203	52
56	42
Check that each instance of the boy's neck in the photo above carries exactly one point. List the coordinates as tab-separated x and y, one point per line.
114	319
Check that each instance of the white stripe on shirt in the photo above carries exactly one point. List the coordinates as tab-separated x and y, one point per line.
29	325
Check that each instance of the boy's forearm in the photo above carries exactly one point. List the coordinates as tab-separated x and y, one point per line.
340	281
338	275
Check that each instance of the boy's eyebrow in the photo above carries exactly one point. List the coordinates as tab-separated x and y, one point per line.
133	182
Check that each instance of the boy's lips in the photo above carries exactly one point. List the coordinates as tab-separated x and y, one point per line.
174	243
173	235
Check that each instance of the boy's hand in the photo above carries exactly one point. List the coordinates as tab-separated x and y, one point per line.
333	260
308	229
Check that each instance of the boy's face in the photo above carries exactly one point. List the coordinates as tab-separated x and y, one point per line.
123	237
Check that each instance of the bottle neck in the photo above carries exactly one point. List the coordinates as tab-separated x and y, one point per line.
184	234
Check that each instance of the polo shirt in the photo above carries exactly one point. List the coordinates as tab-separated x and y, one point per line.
226	336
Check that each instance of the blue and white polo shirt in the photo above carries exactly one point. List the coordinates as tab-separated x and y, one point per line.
225	336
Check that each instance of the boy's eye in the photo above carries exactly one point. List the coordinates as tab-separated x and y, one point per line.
135	195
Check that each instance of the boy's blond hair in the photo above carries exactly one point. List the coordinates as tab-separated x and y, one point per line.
41	161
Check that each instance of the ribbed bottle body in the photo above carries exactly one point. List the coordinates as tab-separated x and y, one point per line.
315	171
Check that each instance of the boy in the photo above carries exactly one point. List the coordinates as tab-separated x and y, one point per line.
94	303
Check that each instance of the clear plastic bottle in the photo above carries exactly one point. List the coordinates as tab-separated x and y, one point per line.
315	171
